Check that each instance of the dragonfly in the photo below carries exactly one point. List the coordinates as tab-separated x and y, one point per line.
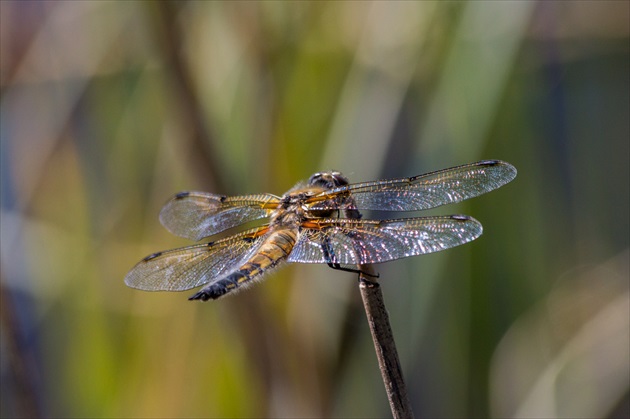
316	222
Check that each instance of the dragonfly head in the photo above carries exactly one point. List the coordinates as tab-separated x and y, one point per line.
328	180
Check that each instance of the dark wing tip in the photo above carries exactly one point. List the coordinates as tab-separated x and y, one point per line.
181	195
489	162
152	256
496	163
509	170
493	163
470	222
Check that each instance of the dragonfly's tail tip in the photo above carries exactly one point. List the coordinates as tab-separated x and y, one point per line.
201	295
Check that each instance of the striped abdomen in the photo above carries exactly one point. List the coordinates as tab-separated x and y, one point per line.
274	250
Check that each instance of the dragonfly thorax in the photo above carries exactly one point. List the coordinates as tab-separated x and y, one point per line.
289	213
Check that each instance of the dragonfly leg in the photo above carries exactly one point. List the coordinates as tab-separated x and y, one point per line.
329	256
338	267
364	279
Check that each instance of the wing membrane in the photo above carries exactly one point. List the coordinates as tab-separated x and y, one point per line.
357	242
195	215
190	267
424	191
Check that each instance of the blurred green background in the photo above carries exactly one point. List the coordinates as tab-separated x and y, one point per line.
109	108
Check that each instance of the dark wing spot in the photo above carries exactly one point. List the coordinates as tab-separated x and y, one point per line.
489	162
152	256
182	195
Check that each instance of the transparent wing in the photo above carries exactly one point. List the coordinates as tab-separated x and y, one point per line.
190	267
420	192
357	242
195	215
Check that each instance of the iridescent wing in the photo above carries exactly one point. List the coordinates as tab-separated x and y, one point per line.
419	192
358	242
195	215
193	266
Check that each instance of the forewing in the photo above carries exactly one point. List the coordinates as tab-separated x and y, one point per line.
195	215
190	267
424	191
357	242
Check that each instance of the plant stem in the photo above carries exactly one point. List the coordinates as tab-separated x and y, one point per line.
384	346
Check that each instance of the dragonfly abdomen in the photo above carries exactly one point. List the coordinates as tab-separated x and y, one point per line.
273	251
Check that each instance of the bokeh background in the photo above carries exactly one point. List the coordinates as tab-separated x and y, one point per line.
109	108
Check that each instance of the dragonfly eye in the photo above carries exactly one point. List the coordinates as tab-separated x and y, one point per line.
328	180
